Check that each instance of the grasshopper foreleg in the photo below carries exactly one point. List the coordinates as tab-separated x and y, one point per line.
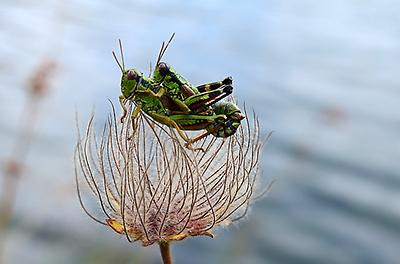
135	114
122	101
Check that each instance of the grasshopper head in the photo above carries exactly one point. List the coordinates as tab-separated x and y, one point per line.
130	80
160	71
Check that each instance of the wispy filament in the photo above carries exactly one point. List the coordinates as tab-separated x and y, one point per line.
152	189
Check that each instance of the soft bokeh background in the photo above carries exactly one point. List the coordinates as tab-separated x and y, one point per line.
322	74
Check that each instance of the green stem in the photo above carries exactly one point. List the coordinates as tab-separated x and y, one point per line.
165	252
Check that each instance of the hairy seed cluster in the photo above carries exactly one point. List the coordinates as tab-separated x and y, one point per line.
151	188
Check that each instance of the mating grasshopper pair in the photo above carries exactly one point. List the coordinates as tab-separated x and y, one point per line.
171	100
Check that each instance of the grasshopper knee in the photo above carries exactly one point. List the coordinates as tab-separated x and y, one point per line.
227	80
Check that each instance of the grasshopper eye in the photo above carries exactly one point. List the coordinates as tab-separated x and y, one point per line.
163	68
131	75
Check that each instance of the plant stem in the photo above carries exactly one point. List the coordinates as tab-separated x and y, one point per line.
165	252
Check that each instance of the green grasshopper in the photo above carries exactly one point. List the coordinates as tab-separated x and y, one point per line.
202	100
177	103
195	99
199	99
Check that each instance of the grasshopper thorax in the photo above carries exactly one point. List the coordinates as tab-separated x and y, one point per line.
130	81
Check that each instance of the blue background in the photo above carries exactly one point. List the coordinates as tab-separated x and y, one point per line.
324	75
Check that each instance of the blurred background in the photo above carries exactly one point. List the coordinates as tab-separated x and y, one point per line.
323	75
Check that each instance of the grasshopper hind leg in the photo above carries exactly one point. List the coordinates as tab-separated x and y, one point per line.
214	85
204	99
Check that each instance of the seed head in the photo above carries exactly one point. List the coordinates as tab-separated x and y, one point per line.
151	188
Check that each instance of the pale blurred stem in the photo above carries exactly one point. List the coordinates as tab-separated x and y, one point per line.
8	196
165	252
11	179
7	202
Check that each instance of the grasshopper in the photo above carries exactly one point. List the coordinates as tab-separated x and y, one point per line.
199	99
169	99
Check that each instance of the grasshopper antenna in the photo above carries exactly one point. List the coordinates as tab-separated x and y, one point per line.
151	70
122	67
122	54
164	48
119	65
